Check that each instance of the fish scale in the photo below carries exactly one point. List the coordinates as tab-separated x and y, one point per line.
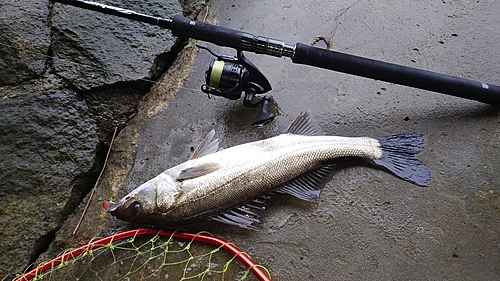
285	162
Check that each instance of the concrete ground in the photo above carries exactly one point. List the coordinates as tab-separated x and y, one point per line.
368	224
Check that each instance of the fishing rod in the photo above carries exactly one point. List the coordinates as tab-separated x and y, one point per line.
229	76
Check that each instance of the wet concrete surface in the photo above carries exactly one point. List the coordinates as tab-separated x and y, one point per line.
368	224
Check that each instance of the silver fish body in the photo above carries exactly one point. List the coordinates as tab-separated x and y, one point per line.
230	185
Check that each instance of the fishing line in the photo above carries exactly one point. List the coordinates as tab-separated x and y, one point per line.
217	68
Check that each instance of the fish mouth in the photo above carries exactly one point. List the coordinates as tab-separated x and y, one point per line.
111	206
126	210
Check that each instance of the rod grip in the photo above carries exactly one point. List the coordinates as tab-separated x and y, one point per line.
222	36
399	74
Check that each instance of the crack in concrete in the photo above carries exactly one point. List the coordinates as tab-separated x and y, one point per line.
337	18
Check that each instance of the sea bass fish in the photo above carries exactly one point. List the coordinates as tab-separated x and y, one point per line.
232	185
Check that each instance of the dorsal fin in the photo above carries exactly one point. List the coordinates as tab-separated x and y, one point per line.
308	186
304	124
206	146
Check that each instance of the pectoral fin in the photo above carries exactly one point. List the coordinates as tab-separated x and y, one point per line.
308	186
207	146
197	171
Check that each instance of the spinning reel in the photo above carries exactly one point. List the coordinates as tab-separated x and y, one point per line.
229	76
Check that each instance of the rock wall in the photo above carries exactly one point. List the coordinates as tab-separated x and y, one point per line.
68	77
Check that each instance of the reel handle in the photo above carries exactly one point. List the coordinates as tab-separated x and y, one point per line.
264	116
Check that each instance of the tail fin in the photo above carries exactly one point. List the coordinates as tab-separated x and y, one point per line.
398	156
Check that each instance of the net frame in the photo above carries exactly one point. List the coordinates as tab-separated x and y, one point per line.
64	258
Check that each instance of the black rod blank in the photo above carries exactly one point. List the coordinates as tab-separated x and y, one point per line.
308	55
399	74
115	11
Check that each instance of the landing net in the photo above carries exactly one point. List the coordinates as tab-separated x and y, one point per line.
151	254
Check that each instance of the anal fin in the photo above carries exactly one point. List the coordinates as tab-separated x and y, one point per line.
308	186
246	215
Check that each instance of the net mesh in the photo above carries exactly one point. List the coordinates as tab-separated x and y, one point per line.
151	254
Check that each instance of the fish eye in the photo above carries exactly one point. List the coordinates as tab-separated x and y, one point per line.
134	209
